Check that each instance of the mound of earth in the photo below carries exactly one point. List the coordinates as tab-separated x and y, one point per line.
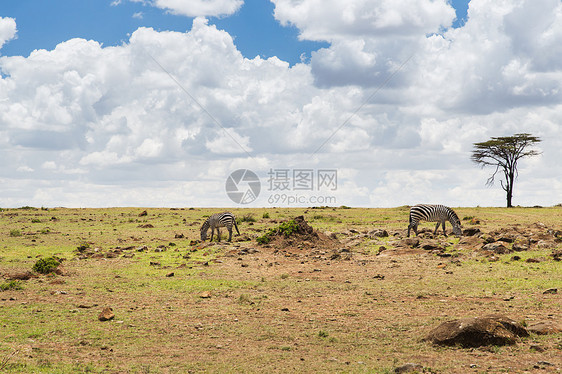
297	235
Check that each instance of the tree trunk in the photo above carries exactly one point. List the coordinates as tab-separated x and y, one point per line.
509	189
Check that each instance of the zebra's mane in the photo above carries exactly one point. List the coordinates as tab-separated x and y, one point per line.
454	217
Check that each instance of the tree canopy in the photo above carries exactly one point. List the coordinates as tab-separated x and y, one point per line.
504	153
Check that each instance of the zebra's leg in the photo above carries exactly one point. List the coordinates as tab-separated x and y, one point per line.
229	233
436	228
219	234
212	233
415	228
444	232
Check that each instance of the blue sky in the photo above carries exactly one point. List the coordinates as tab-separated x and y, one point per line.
396	92
44	24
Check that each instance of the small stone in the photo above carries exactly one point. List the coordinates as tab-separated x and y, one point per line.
106	314
551	291
205	295
408	368
544	328
536	348
170	274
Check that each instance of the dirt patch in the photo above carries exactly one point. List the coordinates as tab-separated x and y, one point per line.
297	234
296	238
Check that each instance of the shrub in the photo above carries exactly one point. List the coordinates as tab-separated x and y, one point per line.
46	265
265	215
264	239
11	285
246	218
14	233
35	220
285	228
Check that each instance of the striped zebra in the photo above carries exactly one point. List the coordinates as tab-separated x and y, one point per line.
434	213
225	219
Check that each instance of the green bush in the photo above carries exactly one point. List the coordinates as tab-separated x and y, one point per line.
15	232
285	228
82	247
265	215
11	285
46	265
246	218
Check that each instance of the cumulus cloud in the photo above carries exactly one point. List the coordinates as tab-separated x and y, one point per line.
330	20
7	30
164	118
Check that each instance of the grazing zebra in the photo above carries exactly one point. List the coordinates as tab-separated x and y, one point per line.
225	219
434	213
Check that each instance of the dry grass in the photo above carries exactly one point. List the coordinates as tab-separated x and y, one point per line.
269	311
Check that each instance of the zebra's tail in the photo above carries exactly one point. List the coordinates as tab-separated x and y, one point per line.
236	227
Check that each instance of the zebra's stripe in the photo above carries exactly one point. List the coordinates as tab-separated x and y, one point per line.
434	213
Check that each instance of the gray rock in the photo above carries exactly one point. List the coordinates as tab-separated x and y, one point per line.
408	368
496	248
478	331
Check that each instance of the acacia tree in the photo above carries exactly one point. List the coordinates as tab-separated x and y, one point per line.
503	153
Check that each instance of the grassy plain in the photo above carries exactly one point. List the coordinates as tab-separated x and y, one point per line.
185	307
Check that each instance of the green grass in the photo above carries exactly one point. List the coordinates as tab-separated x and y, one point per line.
259	318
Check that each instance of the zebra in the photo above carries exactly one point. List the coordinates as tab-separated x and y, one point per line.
225	219
434	213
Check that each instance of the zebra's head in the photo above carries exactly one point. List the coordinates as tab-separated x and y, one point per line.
457	230
204	229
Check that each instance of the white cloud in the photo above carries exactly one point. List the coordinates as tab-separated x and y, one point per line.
332	20
7	30
82	124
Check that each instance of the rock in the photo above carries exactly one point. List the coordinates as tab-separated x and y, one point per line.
205	295
478	331
106	314
143	213
431	245
471	231
378	233
170	274
544	244
544	328
551	290
519	247
496	248
536	348
179	236
407	368
409	242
